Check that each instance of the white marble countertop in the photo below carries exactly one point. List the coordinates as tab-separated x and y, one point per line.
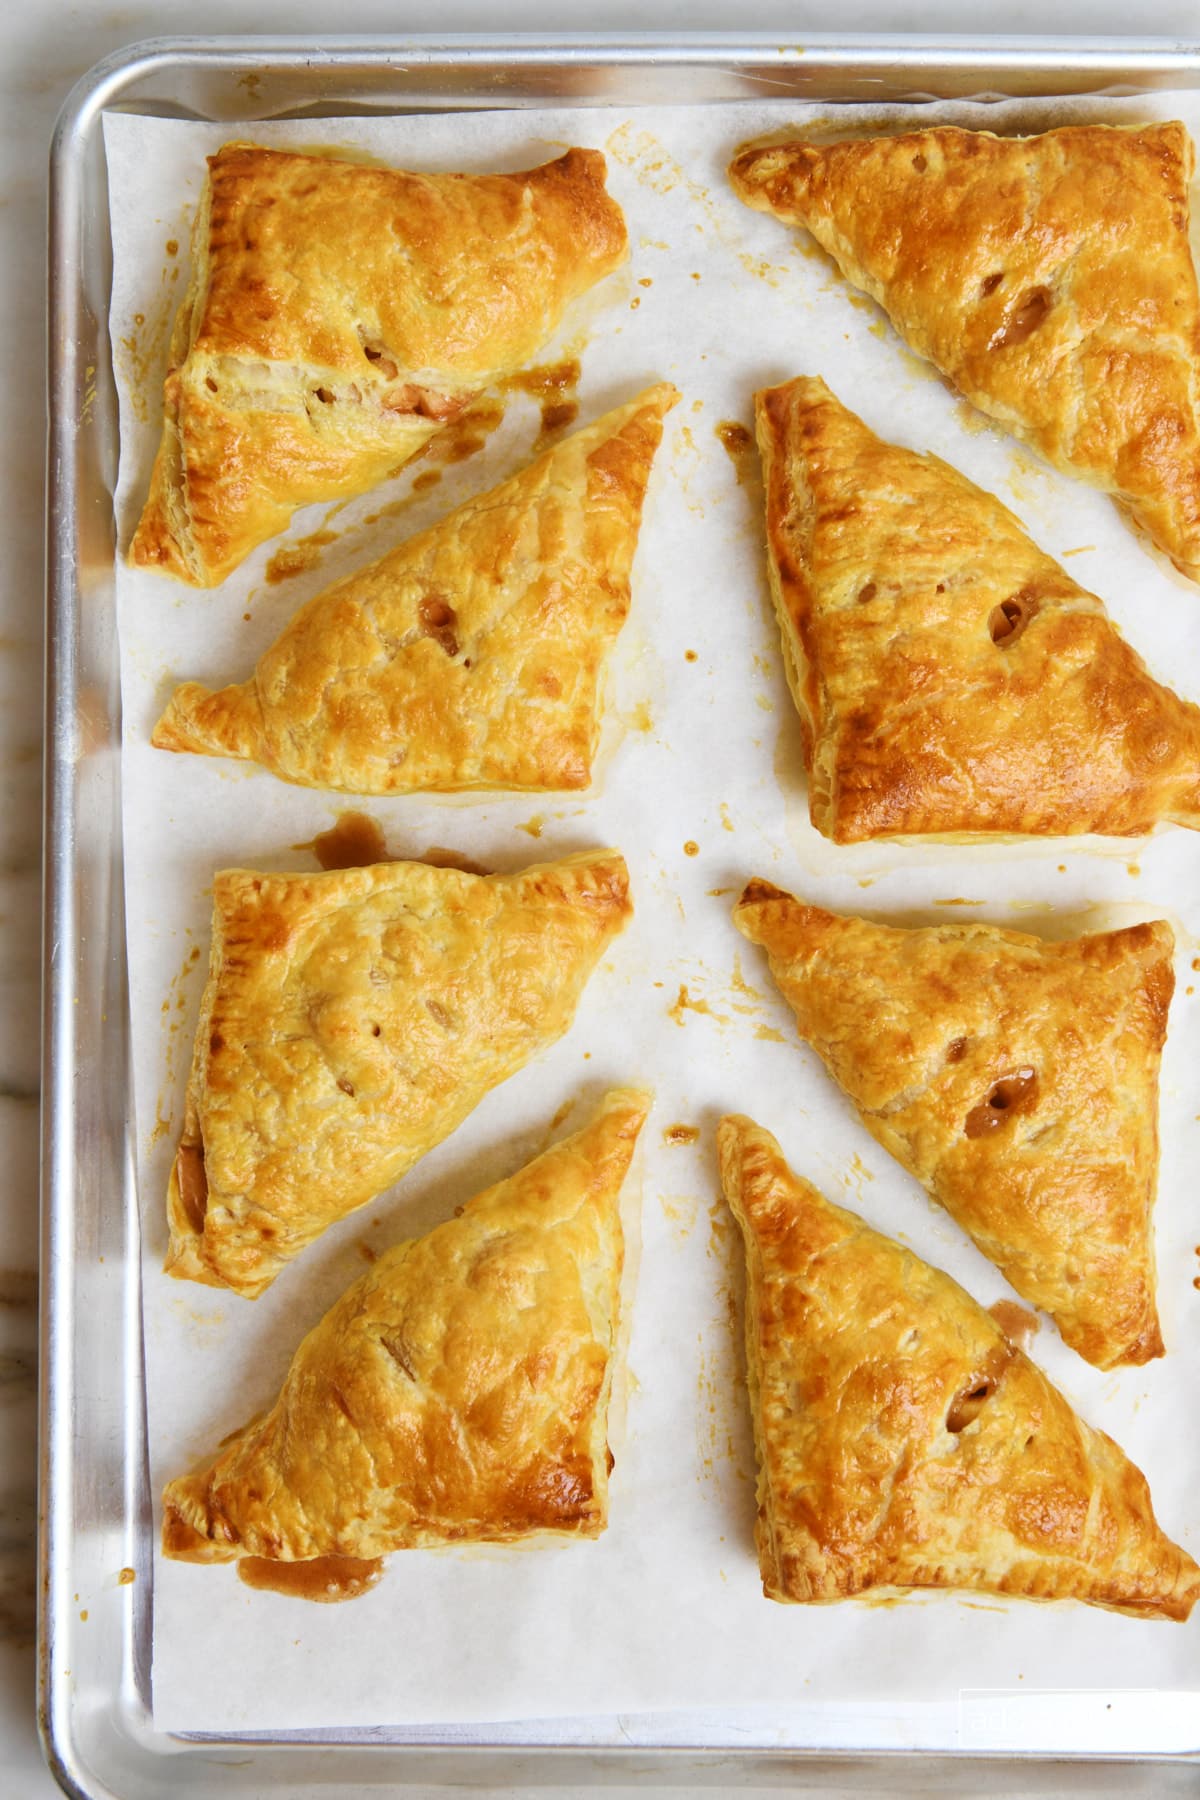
44	48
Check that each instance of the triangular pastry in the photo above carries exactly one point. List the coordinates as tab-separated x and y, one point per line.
1049	277
903	1442
339	313
1016	1079
470	656
351	1021
457	1393
950	677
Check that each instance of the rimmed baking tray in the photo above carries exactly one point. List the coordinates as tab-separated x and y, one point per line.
96	1509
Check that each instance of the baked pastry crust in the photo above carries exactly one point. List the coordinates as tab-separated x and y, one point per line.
338	314
351	1021
951	679
457	1393
470	656
1016	1079
903	1442
1049	277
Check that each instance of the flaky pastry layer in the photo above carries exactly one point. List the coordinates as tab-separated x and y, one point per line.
903	1441
456	1393
338	315
469	657
1016	1079
351	1021
1050	277
951	678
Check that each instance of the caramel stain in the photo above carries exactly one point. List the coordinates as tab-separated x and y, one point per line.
762	270
1018	1324
324	1579
438	620
738	445
127	1577
691	848
681	1134
354	841
298	558
462	437
689	656
684	1003
726	821
533	826
172	247
553	386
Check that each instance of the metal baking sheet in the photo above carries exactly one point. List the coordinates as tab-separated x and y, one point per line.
96	1503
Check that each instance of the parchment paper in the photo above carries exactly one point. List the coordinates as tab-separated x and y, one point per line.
663	1615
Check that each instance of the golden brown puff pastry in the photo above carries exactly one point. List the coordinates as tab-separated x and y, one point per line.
338	315
351	1021
1016	1079
1049	277
457	1393
950	678
903	1442
469	657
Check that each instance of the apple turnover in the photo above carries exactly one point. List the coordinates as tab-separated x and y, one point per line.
469	657
903	1441
1016	1079
338	314
351	1021
951	678
1050	277
456	1393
